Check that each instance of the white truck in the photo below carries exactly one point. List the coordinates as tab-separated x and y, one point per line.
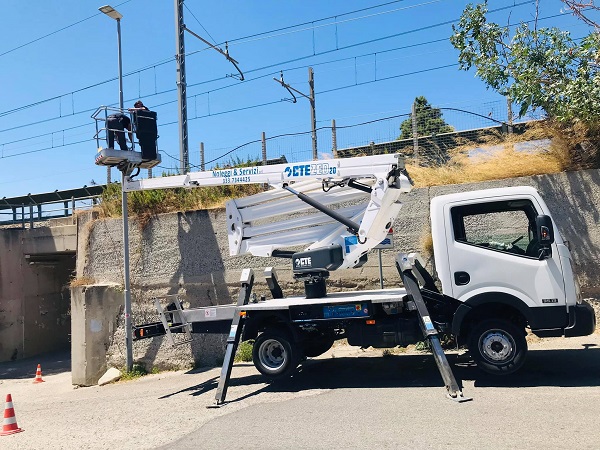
502	266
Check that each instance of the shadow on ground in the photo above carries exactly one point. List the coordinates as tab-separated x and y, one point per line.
52	363
560	368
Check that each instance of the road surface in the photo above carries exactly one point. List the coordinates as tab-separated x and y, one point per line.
347	399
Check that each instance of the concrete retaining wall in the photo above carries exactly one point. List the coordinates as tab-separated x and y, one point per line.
187	254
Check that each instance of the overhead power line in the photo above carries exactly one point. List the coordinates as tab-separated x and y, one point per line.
313	27
45	149
199	117
165	61
313	21
262	68
279	64
55	32
194	16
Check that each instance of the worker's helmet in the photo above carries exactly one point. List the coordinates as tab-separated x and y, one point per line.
138	104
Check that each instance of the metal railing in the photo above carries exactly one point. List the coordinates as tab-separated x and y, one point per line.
24	214
101	115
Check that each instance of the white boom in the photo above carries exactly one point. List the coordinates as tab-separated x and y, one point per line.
286	216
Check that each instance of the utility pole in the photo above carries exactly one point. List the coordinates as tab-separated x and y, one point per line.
181	83
181	89
202	166
311	99
510	114
313	112
264	148
333	138
415	132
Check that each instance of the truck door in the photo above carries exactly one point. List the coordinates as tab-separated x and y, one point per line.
492	247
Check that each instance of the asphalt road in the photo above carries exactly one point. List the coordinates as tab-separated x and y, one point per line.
346	399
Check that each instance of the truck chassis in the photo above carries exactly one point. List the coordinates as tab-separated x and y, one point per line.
289	329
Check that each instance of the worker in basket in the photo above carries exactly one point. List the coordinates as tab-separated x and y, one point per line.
116	124
145	130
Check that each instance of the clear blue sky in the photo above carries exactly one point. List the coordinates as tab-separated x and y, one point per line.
352	55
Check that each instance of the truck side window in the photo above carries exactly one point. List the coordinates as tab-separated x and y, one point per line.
500	226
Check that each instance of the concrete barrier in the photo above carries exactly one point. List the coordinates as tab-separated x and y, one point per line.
95	313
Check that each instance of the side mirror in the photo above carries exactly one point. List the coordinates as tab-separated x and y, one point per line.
545	235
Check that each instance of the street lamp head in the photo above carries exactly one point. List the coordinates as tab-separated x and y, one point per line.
111	12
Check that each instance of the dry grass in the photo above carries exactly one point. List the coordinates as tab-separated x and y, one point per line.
507	163
82	281
426	243
497	166
576	145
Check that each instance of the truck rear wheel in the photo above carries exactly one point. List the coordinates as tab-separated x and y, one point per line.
274	354
498	346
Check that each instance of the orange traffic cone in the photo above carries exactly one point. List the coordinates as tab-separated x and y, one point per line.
38	375
10	421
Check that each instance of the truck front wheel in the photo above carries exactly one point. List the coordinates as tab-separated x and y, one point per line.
274	354
498	346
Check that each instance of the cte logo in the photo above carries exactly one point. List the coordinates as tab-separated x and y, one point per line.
297	171
307	170
303	262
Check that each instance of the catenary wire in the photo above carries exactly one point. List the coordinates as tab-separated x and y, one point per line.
244	108
199	23
161	62
293	60
55	32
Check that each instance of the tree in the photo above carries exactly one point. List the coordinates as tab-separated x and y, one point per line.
582	10
536	67
429	121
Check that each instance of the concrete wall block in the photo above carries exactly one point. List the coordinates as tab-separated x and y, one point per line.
50	240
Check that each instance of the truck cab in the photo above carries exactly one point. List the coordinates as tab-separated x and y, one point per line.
499	253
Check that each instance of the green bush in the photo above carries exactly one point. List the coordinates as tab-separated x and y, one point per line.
244	351
137	371
145	204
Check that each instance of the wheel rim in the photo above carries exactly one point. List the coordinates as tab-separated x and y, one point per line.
497	346
272	355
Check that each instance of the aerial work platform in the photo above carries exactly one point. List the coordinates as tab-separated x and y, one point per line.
142	152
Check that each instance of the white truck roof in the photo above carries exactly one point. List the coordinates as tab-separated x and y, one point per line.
440	200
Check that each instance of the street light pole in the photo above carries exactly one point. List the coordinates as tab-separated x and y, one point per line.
120	65
114	14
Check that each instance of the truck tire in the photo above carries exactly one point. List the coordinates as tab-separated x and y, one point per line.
275	354
498	346
317	347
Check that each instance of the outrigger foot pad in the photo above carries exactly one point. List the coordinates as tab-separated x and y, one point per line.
459	397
